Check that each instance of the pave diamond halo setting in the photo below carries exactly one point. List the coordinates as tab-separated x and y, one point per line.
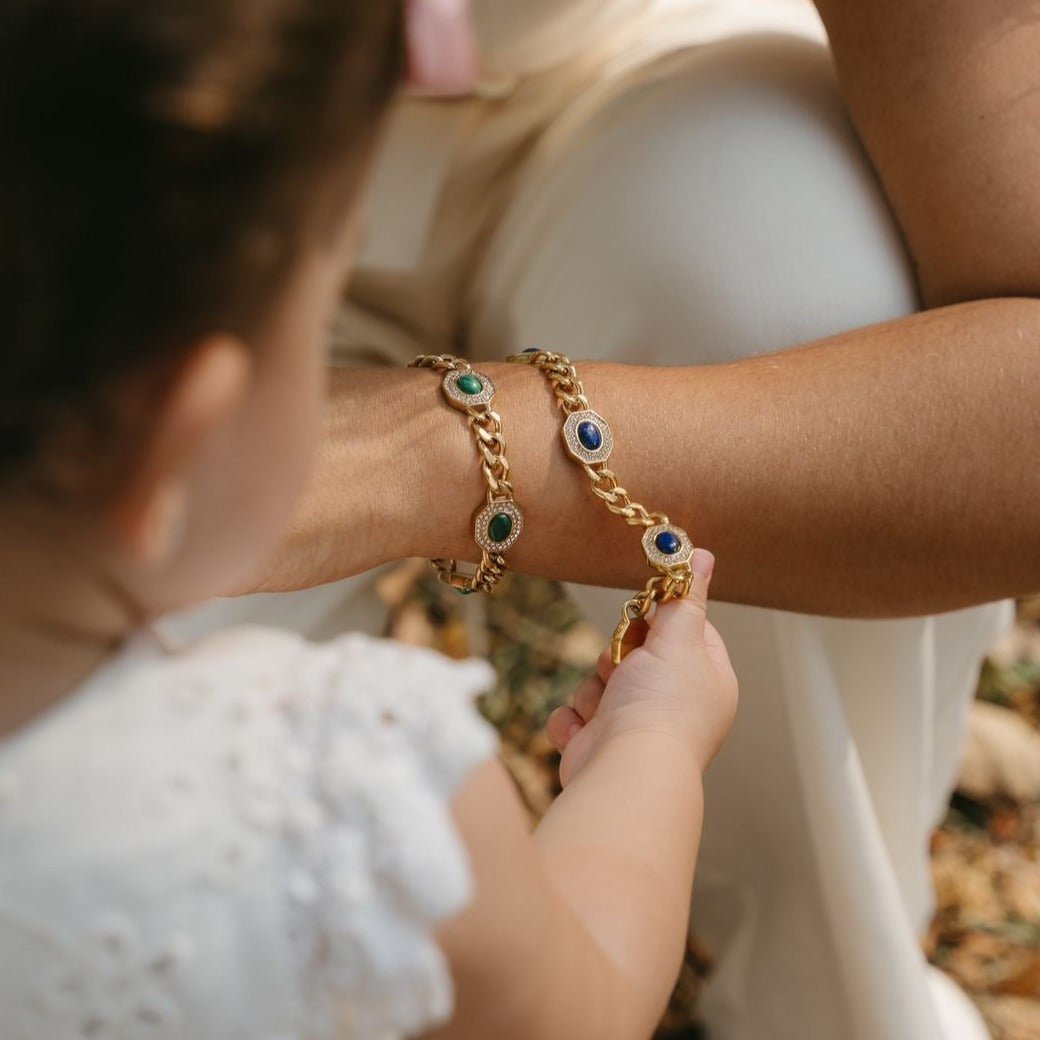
587	437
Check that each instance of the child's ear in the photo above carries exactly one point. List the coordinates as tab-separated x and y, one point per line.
149	515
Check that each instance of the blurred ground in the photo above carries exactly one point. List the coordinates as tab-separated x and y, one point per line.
985	856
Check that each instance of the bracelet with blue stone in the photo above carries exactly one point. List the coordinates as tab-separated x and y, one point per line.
588	440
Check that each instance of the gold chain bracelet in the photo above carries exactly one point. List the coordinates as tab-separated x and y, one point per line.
498	523
589	442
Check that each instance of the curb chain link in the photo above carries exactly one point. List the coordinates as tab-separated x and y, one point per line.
669	583
486	427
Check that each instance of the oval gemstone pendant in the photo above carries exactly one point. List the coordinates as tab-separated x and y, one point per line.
500	528
497	526
668	542
587	437
590	436
526	355
466	389
667	545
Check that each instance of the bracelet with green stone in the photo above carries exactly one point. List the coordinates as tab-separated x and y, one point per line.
498	523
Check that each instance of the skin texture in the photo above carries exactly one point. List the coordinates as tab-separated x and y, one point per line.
878	499
855	477
883	472
597	904
947	100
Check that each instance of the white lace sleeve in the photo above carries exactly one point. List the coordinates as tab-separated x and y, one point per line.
251	838
386	736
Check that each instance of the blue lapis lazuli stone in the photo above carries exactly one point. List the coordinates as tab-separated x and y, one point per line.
668	542
590	435
531	350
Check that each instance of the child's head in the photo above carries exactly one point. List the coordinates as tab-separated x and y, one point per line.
176	180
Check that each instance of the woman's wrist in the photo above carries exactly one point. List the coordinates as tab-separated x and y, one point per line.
381	490
435	482
438	484
406	468
398	476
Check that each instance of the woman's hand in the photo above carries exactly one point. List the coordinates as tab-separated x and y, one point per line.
679	682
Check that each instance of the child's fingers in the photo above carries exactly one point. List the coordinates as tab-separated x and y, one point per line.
605	665
683	620
587	697
561	726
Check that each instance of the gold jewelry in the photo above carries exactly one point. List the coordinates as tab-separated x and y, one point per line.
589	442
498	523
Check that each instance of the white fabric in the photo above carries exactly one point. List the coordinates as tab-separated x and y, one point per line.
715	207
521	37
614	37
248	841
517	38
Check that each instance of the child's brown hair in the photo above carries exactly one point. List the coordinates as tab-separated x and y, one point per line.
160	163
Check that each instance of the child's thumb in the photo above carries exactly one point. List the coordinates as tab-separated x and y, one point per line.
682	621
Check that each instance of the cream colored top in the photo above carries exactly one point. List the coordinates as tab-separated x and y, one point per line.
523	36
520	37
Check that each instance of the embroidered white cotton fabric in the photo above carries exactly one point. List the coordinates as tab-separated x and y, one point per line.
251	841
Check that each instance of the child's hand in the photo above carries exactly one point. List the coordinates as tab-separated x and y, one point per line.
679	682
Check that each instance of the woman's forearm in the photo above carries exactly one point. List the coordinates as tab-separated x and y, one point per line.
886	471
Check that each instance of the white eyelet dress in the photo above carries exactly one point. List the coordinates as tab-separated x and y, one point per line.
248	841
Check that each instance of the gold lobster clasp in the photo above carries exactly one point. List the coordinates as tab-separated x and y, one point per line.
632	629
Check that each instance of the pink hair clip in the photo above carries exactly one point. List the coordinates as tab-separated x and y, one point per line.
442	47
